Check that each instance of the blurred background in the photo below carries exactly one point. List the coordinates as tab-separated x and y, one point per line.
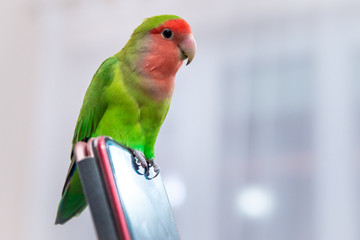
262	137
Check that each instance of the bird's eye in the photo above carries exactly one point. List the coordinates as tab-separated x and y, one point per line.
167	33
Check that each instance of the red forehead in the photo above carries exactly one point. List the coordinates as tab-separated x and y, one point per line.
176	25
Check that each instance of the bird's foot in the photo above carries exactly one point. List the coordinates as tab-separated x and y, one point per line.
148	168
155	169
140	164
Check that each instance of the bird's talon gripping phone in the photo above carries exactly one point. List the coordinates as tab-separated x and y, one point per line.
123	204
137	166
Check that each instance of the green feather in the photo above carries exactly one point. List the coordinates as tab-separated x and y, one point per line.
114	105
153	22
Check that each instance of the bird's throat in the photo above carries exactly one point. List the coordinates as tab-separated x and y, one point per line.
159	65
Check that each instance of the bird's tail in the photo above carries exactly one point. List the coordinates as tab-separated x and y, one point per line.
73	201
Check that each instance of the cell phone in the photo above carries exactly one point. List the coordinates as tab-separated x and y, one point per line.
123	203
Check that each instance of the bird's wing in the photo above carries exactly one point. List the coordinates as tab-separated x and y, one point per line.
92	110
95	102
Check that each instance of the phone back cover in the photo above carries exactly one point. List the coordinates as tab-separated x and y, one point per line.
96	197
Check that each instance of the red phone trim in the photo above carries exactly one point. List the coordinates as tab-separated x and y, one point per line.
112	190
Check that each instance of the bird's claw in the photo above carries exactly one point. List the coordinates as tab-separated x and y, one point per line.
140	161
155	167
148	168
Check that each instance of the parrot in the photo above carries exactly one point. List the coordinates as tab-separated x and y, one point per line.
129	97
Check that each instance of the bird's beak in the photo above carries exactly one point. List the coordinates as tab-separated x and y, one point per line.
187	48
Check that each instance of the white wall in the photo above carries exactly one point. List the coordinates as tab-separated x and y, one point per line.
269	101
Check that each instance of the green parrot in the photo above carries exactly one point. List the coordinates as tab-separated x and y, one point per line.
129	97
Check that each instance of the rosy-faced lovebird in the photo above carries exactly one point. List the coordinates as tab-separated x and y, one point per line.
129	97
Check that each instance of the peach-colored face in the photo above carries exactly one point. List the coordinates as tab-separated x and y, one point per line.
169	45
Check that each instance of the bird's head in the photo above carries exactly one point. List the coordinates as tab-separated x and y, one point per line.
174	37
158	48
